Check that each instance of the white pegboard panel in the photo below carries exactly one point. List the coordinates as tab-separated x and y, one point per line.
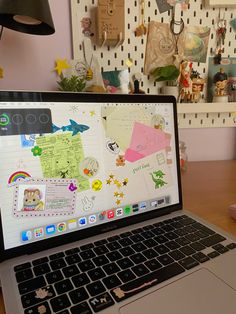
134	47
208	115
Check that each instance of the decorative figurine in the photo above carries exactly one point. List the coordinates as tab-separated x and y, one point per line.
220	81
185	81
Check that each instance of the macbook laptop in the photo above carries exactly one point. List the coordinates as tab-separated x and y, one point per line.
91	211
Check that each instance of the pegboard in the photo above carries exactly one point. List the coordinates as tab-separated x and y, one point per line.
206	115
134	47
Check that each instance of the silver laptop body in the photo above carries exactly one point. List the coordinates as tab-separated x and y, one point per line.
91	211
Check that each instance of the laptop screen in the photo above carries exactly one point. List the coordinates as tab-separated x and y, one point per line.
73	162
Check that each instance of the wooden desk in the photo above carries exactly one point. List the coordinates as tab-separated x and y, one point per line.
208	190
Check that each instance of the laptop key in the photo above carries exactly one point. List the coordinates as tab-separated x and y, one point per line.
113	238
111	281
138	258
22	266
60	303
86	265
142	283
41	269
150	253
96	274
188	262
161	249
101	302
78	295
127	251
24	275
125	263
100	260
63	286
39	261
88	254
138	247
187	250
177	255
231	246
126	275
140	270
125	242
100	250
64	312
31	285
73	259
100	242
32	298
87	246
114	256
111	268
80	280
220	248
43	307
72	251
113	246
153	264
95	288
197	246
212	240
70	271
54	276
200	257
82	308
137	238
150	243
56	256
213	254
57	264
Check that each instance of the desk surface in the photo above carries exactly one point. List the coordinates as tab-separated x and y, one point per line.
208	190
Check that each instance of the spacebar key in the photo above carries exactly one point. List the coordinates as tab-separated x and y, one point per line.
135	286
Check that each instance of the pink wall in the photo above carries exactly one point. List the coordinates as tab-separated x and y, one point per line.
28	60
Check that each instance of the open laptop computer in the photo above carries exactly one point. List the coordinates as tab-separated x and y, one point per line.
91	211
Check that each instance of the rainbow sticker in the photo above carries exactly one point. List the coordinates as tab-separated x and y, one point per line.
18	176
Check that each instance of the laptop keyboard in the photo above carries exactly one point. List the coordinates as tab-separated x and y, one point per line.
92	277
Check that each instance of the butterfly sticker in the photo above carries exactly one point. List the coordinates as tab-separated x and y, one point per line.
72	187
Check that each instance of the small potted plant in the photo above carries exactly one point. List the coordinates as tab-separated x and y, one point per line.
168	74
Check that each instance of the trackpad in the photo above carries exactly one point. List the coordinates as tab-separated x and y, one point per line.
198	293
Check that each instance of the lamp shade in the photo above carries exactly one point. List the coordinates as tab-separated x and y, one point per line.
27	16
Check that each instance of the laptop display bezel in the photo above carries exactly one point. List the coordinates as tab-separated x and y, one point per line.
25	96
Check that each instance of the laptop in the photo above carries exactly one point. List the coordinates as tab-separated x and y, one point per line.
91	211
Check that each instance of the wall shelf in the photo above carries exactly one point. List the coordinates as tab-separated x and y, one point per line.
206	115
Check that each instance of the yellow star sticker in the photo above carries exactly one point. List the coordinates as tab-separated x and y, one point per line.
122	195
111	176
234	113
118	202
92	113
1	73
116	194
61	65
108	181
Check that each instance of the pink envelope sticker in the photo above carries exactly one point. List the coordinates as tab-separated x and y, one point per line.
145	141
132	155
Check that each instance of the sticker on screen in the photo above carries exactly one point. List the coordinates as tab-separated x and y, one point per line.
44	197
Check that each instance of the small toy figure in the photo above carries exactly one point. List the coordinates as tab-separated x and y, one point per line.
220	81
86	25
185	81
197	88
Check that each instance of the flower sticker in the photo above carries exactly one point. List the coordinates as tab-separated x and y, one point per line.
37	151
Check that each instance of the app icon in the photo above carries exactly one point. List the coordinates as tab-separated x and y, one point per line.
82	221
4	119
26	235
61	227
92	219
51	229
72	224
135	208
127	209
142	205
119	212
102	215
38	232
154	203
110	214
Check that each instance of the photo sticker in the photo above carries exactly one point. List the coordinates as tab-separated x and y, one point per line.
44	197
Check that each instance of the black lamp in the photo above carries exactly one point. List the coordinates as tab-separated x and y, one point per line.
27	16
